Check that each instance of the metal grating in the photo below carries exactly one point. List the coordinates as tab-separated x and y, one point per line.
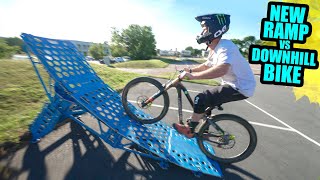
69	69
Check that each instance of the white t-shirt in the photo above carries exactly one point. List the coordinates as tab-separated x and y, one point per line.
239	75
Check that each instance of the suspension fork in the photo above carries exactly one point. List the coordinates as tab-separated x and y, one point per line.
180	116
152	98
159	93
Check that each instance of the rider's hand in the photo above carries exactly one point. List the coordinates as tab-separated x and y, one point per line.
186	69
186	75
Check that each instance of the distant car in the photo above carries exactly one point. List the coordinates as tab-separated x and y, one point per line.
89	58
118	59
126	58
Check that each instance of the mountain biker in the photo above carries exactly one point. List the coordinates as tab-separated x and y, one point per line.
225	61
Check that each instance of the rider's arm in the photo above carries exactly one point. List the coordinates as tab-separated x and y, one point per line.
201	67
213	72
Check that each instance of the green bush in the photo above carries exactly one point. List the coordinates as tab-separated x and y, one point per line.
7	51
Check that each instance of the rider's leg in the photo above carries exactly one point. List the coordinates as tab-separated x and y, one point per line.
199	107
196	117
209	98
192	123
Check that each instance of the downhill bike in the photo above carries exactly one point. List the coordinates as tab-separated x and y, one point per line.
232	137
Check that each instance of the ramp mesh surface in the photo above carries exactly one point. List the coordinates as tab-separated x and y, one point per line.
68	67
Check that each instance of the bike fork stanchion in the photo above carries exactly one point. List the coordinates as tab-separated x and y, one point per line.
180	105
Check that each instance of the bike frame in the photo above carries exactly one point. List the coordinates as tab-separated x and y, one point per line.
180	88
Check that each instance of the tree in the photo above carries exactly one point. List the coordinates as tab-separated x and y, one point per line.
136	41
189	48
15	41
118	50
197	52
245	43
194	52
240	45
97	51
7	51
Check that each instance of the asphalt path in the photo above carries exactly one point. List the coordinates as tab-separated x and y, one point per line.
288	145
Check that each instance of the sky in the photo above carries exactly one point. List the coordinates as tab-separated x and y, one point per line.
173	21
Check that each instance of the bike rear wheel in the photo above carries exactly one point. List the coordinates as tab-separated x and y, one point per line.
234	143
138	91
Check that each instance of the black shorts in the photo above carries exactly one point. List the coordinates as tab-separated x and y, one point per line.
216	96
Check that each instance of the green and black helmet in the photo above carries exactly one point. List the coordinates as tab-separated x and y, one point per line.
217	25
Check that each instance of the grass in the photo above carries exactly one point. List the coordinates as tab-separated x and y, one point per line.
114	78
22	96
200	61
142	64
210	82
185	60
159	62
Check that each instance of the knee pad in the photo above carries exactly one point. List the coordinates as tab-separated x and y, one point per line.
199	104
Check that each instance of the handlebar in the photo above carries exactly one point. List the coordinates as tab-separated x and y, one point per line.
172	80
182	73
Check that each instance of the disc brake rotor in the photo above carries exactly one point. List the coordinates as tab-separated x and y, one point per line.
142	99
226	141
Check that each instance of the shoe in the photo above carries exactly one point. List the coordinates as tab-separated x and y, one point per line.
183	129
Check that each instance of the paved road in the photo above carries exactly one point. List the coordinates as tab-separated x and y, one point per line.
288	146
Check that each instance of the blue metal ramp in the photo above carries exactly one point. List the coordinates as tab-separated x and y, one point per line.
76	84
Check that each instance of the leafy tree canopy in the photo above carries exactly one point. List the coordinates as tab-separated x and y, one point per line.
245	43
7	51
97	51
194	52
136	41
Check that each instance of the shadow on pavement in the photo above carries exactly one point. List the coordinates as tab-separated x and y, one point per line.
97	162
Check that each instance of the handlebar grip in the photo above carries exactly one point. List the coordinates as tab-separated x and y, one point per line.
182	74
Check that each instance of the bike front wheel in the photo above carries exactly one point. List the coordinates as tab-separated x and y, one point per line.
137	92
227	138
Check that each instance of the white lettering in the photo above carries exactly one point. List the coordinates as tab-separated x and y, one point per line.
219	32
